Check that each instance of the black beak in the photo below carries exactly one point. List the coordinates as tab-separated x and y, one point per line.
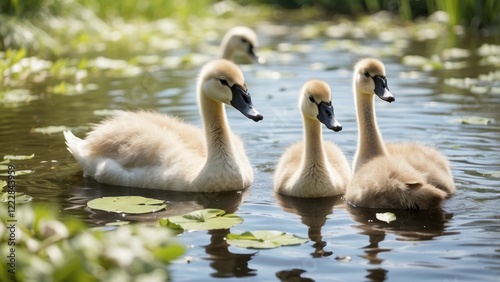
252	54
327	117
243	103
382	89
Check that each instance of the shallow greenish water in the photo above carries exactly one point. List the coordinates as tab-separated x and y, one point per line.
458	243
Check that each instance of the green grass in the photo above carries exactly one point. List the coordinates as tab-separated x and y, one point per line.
42	26
474	14
147	9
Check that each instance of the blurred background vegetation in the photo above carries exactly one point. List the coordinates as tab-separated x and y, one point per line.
33	24
474	14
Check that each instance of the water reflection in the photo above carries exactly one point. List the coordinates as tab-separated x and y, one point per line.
313	213
409	226
224	262
293	275
178	203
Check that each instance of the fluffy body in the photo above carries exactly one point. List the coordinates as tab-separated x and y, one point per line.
298	178
392	176
312	168
152	150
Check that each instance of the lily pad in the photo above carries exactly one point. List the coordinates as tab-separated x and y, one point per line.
495	174
206	219
386	216
117	223
18	157
16	96
106	112
344	258
473	120
57	129
127	204
18	172
50	129
264	239
19	198
3	183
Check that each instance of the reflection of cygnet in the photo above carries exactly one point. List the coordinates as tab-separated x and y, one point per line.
313	213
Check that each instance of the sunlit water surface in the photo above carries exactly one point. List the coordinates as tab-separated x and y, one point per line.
461	242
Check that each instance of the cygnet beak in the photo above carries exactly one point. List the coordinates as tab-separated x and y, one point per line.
251	53
327	116
243	102
382	89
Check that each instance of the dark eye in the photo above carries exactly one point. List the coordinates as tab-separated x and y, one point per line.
311	99
367	74
244	40
224	82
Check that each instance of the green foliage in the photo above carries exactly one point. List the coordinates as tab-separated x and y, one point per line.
264	239
47	249
206	219
470	13
18	157
127	204
386	216
29	8
147	9
20	198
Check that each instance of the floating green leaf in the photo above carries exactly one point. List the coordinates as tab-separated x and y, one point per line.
50	129
127	204
264	239
206	219
18	157
473	120
16	96
57	129
107	112
344	258
495	174
17	197
117	223
387	216
18	172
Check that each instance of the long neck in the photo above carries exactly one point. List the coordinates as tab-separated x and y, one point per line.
216	128
370	142
314	155
225	51
226	54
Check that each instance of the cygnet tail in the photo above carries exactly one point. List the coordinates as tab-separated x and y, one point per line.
75	146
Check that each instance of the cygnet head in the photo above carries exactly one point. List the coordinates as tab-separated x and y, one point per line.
241	40
369	78
315	103
221	80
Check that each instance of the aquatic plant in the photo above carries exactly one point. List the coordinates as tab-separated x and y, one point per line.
49	249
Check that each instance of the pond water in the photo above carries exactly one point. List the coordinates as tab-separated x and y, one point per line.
460	242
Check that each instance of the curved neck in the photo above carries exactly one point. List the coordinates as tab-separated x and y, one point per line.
226	54
217	131
370	142
225	51
313	151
